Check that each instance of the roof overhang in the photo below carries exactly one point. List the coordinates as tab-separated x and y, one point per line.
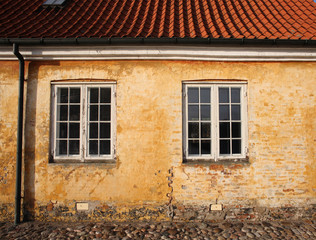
156	52
161	49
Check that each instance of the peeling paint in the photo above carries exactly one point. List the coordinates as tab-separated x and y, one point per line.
281	128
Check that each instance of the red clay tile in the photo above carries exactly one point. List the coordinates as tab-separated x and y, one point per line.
160	18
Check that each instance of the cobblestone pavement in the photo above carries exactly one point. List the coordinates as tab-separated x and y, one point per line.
305	229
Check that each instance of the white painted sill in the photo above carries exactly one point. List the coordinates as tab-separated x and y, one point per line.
110	163
226	161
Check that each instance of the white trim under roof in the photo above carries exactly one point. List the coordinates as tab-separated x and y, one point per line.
195	53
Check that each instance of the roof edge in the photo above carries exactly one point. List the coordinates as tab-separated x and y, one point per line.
162	41
162	52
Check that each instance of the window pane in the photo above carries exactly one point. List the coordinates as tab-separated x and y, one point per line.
193	130
224	112
236	146
224	130
62	130
62	95
193	112
74	147
200	116
94	112
206	146
235	112
205	95
235	95
193	146
236	129
105	130
74	130
74	112
62	113
105	147
93	130
224	146
224	95
105	113
193	95
61	147
93	147
206	112
75	95
94	95
205	130
105	95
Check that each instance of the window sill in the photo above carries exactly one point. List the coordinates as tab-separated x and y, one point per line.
226	161
72	162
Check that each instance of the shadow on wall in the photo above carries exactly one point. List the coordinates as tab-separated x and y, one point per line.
29	138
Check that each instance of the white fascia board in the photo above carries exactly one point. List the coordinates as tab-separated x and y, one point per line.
206	53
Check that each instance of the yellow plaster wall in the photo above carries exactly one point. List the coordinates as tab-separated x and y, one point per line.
282	133
8	123
281	128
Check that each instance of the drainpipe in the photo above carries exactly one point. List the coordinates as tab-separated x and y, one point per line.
17	215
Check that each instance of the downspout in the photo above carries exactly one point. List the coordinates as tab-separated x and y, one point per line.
18	183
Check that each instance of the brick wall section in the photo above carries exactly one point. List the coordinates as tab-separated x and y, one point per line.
282	118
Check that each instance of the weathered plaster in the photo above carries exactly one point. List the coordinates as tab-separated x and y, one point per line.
281	114
8	122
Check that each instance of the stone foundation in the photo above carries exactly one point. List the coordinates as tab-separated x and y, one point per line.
104	212
97	212
6	211
240	213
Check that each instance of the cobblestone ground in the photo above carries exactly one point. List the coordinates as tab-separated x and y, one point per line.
305	229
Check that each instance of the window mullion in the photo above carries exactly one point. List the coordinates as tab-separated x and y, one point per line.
216	119
230	122
68	121
83	122
186	121
99	125
200	125
88	109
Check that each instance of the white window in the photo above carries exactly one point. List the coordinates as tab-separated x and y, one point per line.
215	121
83	126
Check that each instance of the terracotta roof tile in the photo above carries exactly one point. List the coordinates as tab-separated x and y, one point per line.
284	19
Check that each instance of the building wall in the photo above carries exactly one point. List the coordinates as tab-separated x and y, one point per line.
281	127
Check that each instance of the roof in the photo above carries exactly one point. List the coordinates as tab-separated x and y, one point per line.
215	19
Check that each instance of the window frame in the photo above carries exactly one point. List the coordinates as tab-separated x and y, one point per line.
215	156
83	156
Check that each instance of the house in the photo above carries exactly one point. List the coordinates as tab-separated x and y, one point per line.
157	109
